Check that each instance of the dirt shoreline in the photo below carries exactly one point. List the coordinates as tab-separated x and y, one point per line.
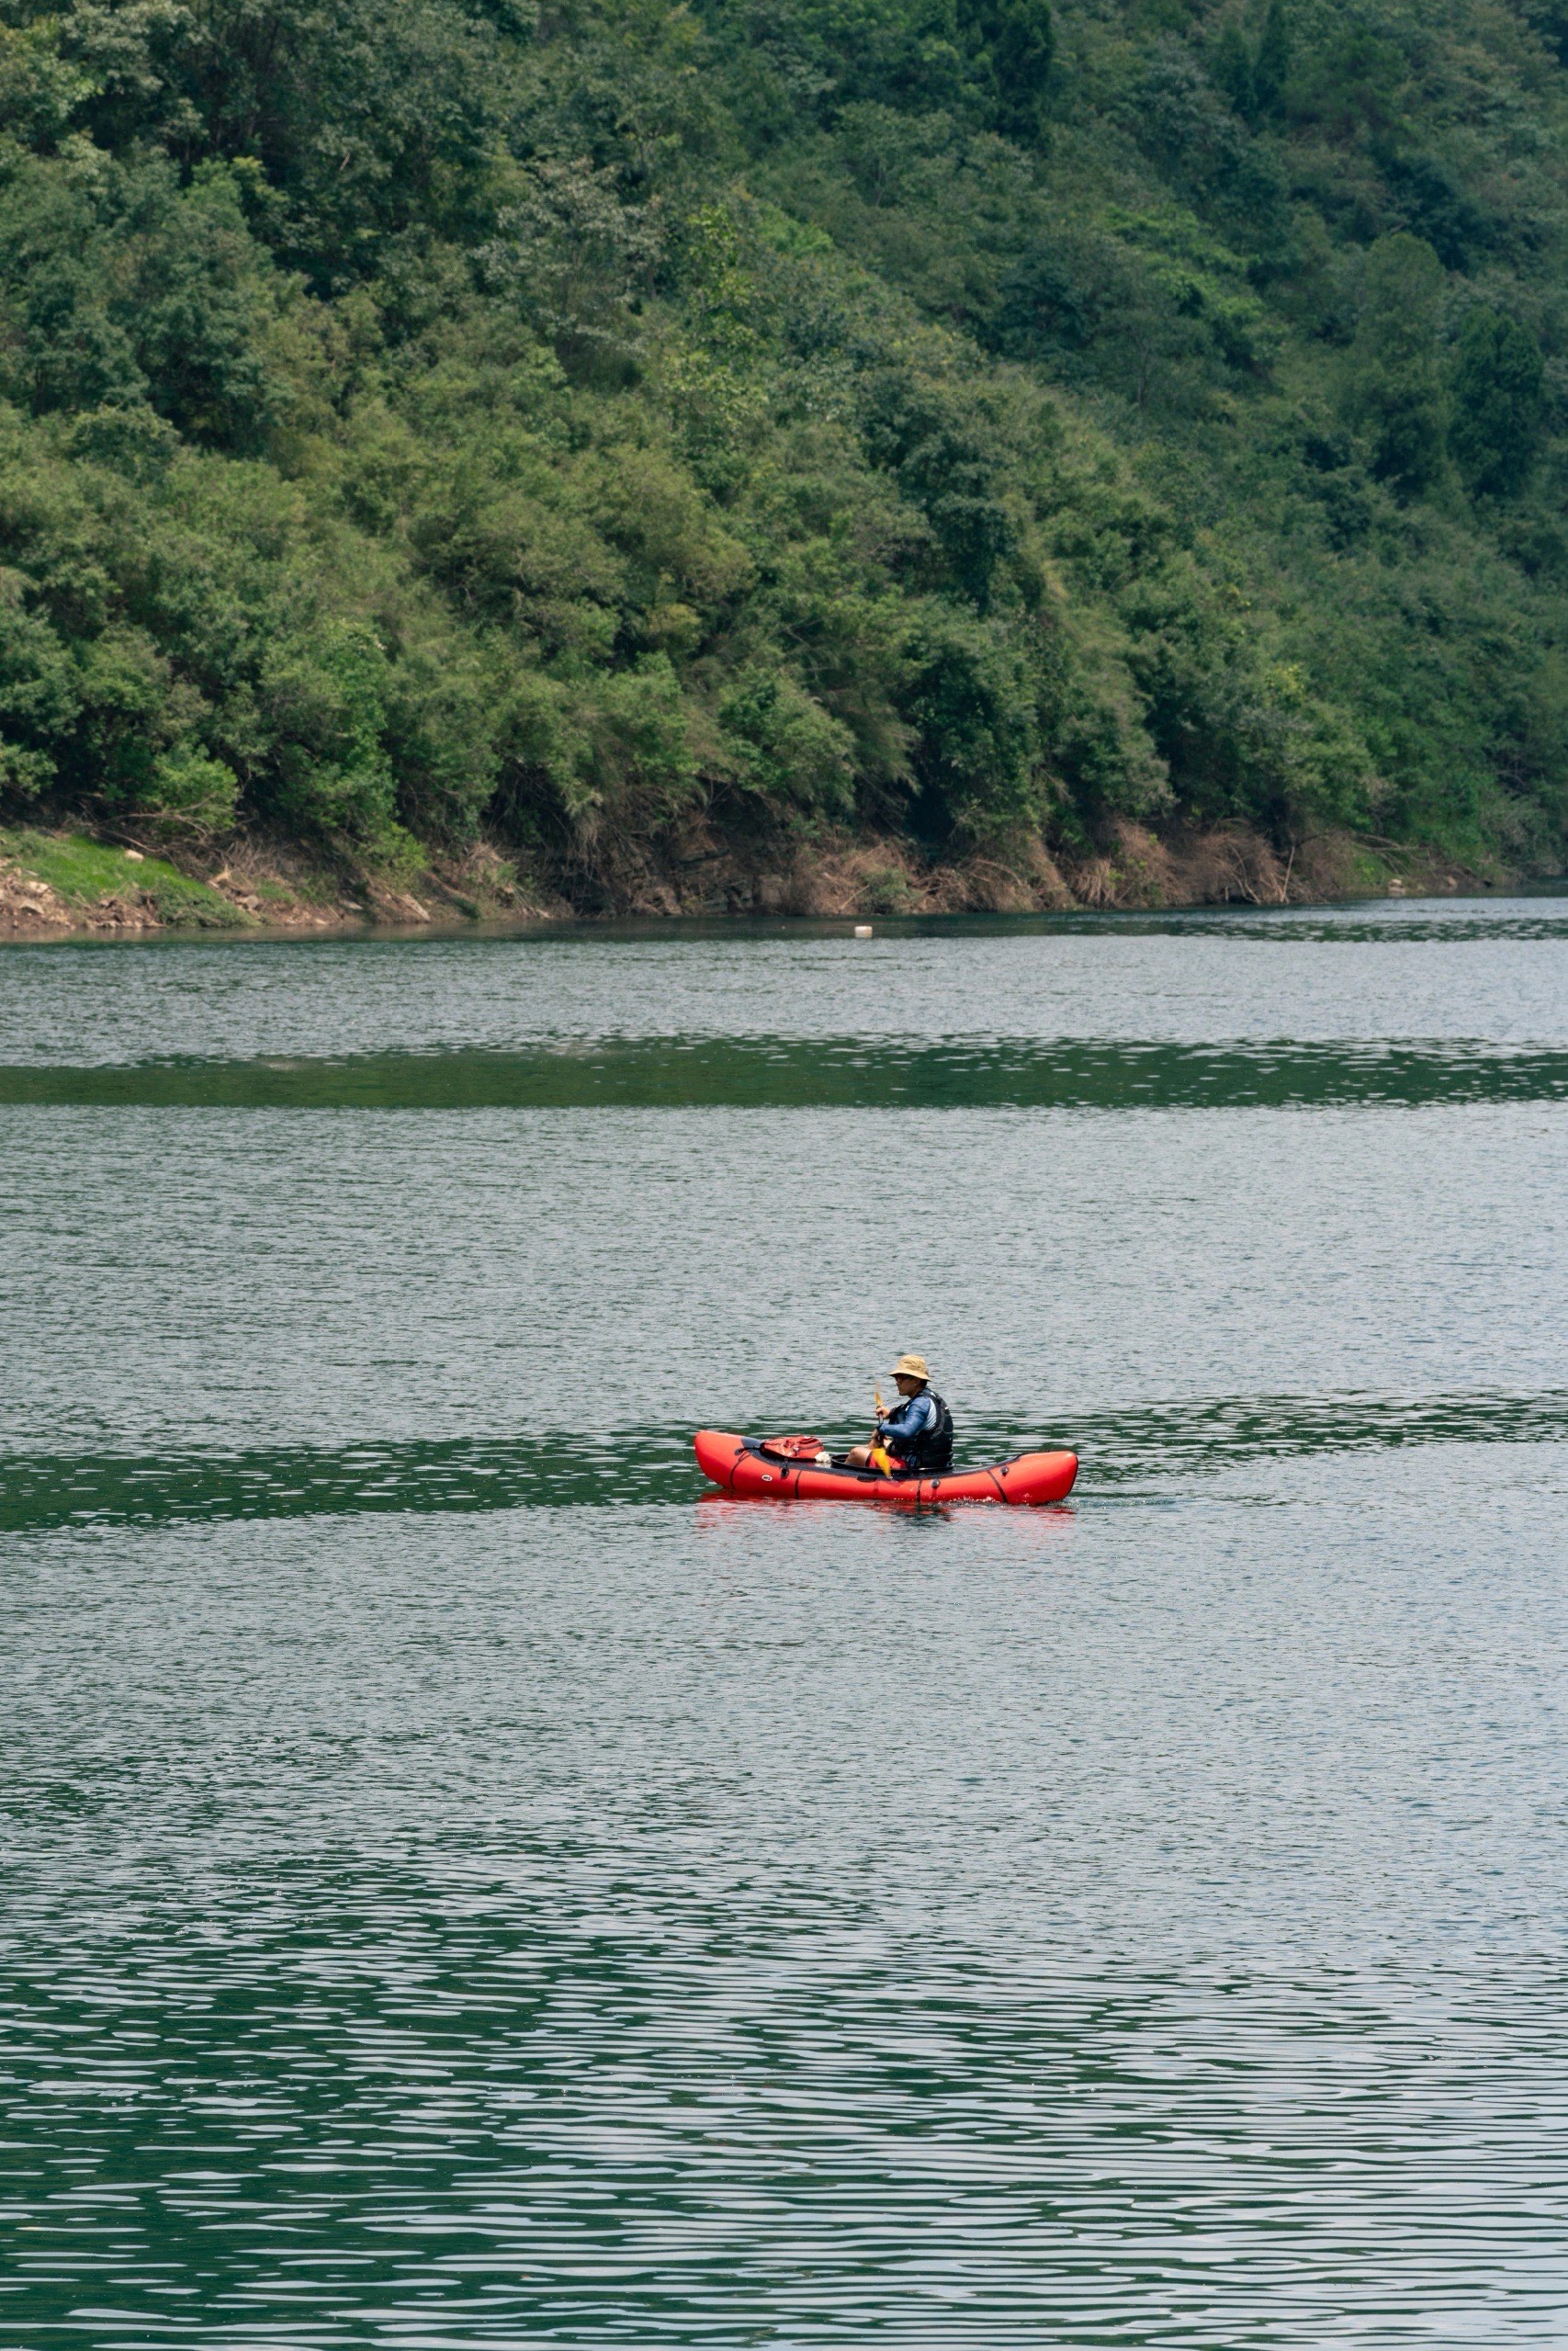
263	886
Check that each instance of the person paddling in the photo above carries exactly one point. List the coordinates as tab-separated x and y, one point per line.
918	1436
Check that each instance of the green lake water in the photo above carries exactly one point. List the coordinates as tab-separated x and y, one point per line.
461	1885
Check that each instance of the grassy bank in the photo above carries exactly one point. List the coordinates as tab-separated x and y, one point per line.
66	881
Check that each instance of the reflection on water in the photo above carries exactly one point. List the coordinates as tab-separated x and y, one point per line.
654	1466
776	1073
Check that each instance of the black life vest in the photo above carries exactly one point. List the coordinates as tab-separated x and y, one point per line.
932	1449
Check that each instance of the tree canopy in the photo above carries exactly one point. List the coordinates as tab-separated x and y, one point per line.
939	418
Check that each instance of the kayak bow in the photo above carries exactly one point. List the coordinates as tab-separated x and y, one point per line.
743	1467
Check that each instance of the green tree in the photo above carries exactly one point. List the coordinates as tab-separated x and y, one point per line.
1017	39
1395	391
1350	88
1497	387
326	700
787	749
1232	69
970	705
579	259
1272	64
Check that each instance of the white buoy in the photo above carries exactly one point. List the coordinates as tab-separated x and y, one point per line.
863	930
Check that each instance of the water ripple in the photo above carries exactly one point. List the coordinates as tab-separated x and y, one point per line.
606	1930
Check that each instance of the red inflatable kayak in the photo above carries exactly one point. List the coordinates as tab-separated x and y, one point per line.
744	1467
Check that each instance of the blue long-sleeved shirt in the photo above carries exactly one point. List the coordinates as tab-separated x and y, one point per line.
913	1418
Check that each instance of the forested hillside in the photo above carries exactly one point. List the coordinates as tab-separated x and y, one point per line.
643	437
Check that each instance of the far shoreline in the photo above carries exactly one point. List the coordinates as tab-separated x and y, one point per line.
64	886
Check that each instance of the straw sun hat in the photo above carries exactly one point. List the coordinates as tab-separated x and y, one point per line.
911	1367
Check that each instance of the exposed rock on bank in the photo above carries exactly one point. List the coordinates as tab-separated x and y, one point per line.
1229	866
53	883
